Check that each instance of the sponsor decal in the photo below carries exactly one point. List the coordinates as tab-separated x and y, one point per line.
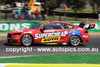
48	35
51	39
80	29
70	27
28	32
12	26
85	36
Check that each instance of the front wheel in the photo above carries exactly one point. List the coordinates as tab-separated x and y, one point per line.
27	40
75	40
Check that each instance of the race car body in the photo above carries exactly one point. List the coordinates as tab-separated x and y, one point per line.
50	32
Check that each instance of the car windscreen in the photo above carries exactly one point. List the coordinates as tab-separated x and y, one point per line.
36	26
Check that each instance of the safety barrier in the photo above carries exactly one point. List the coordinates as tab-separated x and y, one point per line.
5	27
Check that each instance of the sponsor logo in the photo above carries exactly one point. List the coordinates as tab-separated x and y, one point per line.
85	36
48	35
12	26
28	32
70	27
80	29
51	39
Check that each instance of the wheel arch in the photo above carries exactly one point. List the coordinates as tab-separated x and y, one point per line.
75	43
78	36
27	34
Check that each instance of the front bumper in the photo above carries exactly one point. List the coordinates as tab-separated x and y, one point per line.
13	40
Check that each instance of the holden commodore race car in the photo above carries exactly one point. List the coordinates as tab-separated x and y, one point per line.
51	32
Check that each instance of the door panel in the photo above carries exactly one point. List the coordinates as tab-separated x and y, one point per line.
53	32
57	35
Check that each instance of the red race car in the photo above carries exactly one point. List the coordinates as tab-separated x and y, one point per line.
51	32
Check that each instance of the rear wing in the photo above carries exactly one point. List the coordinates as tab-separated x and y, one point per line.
90	25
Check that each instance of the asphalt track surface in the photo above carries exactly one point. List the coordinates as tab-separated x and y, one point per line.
94	43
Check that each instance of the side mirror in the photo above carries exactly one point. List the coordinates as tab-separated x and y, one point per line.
42	29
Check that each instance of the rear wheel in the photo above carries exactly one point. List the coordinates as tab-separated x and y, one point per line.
75	40
27	40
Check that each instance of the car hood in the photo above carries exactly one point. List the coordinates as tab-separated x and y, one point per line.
23	31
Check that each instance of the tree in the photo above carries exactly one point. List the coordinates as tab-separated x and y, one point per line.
2	2
49	5
93	4
98	5
76	5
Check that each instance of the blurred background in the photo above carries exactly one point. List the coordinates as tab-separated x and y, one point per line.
48	10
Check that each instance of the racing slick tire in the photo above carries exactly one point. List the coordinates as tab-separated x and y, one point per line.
74	40
27	40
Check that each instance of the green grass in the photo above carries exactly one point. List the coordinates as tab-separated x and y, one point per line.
85	10
1	37
56	18
63	18
70	58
